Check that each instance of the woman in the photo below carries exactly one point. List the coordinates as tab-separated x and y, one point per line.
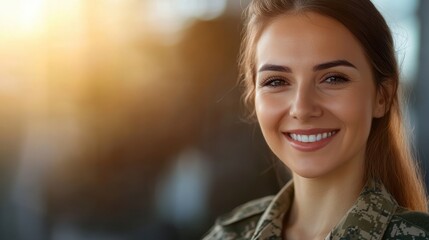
321	79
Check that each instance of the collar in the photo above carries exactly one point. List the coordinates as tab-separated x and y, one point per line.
368	218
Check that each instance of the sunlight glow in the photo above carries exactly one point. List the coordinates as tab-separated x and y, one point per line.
31	14
22	17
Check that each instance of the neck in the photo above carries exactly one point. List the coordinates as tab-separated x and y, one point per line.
321	203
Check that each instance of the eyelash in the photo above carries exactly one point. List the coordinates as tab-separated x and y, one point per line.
277	81
340	79
269	82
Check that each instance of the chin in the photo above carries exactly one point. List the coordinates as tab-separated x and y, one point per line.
310	169
309	174
313	171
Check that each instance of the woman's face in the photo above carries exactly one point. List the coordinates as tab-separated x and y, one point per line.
315	95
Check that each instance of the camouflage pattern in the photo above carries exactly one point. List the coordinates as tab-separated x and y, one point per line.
375	215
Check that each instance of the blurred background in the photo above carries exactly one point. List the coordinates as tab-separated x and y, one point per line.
121	119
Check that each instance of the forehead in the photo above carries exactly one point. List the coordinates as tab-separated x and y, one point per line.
308	37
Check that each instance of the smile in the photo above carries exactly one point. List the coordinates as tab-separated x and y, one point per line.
313	137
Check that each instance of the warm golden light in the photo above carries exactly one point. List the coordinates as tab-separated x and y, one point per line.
122	119
22	18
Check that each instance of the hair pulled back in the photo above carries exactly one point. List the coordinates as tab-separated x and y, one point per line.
388	154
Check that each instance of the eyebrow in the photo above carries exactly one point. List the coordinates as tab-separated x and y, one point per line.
275	68
319	67
333	64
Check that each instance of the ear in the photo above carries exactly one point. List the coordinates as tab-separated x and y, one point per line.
383	98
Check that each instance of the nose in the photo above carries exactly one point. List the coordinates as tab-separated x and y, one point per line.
305	104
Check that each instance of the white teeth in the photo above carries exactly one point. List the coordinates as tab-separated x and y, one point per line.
311	138
304	138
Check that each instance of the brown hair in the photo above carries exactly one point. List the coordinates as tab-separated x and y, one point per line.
388	154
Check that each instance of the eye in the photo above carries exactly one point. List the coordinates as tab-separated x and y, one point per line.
274	82
335	80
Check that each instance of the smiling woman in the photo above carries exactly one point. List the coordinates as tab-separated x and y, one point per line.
321	80
317	95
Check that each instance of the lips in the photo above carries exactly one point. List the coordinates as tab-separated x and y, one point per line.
310	139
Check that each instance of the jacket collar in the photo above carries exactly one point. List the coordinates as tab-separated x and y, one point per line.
368	218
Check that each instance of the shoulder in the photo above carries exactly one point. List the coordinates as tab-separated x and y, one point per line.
245	211
240	222
408	224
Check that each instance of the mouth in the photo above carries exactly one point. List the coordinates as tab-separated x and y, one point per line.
310	138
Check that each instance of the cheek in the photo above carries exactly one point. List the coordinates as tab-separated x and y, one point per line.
354	109
269	110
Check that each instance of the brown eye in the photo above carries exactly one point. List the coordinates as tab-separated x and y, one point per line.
334	80
274	82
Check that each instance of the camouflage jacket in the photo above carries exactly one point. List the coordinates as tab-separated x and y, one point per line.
375	215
